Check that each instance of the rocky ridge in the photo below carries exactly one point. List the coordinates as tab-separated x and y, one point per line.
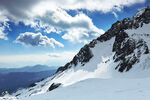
124	45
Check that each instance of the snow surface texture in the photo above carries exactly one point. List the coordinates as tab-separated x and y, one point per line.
100	89
97	79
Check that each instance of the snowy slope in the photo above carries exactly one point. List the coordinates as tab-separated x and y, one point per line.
100	89
115	65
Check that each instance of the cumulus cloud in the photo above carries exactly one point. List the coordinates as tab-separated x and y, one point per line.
99	5
3	34
20	7
37	39
51	15
3	26
81	35
79	28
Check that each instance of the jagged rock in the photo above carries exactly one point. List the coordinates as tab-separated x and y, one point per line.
92	43
83	56
120	37
127	56
63	68
147	13
54	86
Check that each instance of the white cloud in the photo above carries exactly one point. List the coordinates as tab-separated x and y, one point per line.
3	26
21	7
52	17
2	33
81	35
79	28
48	59
91	5
115	14
37	39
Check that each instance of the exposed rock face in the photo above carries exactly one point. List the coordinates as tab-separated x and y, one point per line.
126	55
124	45
54	86
83	56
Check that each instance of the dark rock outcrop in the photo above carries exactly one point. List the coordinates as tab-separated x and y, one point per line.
127	56
54	86
83	56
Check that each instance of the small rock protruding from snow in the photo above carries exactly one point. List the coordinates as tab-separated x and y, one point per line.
54	86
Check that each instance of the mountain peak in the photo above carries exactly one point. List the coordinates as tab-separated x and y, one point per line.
124	45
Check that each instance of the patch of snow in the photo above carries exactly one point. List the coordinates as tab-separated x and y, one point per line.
140	33
8	97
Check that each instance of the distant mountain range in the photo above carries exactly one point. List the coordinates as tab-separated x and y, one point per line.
36	68
12	79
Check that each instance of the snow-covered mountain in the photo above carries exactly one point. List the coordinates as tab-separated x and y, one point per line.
116	66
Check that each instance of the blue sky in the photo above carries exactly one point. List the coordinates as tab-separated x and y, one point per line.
34	32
